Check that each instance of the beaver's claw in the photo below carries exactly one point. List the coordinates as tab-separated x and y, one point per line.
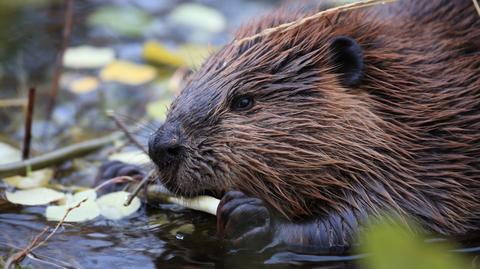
244	221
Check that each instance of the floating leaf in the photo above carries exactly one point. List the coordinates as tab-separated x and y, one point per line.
111	205
84	85
199	17
158	110
186	55
127	21
393	246
128	73
131	157
156	52
36	196
86	211
35	179
88	57
9	154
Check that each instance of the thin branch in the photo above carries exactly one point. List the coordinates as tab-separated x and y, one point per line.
58	156
125	130
37	240
291	25
120	179
147	179
28	124
67	30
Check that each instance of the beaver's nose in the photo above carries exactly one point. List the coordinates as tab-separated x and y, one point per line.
164	146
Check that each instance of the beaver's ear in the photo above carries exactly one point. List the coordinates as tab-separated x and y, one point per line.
348	60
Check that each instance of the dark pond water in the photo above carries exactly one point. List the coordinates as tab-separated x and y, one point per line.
156	237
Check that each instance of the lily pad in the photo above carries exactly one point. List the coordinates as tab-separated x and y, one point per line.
36	196
35	179
111	205
186	55
88	210
128	21
88	57
198	17
128	73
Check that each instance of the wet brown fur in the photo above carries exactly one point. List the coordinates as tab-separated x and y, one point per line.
406	139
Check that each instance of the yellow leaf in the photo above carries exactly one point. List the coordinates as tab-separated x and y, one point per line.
37	196
186	55
84	85
132	157
111	205
156	52
36	179
128	73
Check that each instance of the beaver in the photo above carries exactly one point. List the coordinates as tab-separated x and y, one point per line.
307	133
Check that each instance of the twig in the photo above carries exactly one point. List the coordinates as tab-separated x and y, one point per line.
291	25
147	179
37	242
67	30
125	130
477	6
120	179
58	156
28	123
13	102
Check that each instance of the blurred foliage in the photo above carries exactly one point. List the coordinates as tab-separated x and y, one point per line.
393	246
126	21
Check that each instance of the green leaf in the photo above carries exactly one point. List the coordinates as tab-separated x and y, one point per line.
128	21
199	17
393	246
88	57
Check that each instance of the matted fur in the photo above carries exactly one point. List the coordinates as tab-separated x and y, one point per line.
406	139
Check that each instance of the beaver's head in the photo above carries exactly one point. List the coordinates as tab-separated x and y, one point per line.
279	118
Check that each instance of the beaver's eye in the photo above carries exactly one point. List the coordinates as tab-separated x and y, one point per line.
242	103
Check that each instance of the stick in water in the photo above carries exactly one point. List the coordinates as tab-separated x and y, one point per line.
28	124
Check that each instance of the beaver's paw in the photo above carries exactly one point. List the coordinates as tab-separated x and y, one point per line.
244	221
111	169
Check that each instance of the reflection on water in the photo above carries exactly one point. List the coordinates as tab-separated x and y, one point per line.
151	240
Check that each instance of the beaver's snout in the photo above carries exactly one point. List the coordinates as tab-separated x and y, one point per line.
165	147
